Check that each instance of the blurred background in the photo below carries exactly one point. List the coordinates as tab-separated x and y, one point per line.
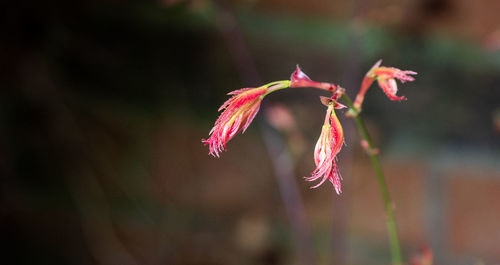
103	105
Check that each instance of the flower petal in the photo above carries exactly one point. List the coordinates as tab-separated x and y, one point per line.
239	112
327	147
390	88
300	79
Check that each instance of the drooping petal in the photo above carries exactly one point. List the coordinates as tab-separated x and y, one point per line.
237	114
338	133
386	78
390	88
239	111
325	152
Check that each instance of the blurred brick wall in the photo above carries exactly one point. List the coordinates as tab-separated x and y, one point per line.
473	212
453	205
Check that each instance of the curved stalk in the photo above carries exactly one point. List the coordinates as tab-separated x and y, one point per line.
388	205
276	85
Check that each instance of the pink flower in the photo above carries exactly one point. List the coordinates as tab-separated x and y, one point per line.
300	79
386	78
239	111
328	146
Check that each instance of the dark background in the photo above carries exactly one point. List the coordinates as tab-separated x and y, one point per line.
103	105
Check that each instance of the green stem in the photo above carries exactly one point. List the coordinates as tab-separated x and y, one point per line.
388	205
276	85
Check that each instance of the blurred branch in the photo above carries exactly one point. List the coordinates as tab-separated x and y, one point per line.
283	170
281	159
236	45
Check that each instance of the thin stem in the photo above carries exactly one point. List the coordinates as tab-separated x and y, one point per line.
388	205
283	167
277	85
282	84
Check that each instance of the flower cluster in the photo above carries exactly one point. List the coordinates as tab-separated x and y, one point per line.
241	108
327	147
239	111
386	78
332	135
